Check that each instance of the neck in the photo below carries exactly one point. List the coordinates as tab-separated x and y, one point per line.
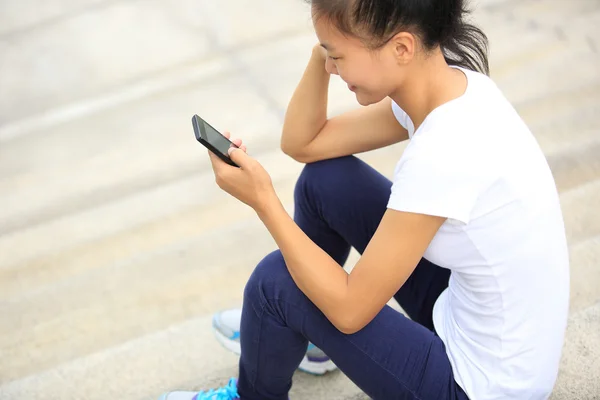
431	83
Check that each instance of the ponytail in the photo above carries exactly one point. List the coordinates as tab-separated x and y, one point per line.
466	46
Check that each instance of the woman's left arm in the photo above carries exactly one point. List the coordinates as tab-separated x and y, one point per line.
349	301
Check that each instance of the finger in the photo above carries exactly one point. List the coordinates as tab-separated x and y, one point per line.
216	162
237	142
240	157
227	134
243	147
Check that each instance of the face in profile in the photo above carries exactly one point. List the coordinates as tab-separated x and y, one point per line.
372	74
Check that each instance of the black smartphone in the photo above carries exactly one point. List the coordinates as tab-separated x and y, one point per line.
212	139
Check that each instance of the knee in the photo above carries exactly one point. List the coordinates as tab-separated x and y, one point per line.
325	175
269	280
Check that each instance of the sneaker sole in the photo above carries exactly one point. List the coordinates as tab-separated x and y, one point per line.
308	366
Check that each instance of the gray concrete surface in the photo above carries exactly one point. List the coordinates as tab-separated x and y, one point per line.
112	232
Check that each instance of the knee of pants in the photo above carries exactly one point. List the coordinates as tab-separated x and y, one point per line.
269	280
324	176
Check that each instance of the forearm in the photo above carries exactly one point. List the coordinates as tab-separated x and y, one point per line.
317	275
307	111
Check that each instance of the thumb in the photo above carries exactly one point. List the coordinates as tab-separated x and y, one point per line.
239	157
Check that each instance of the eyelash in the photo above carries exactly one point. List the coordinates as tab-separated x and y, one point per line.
334	58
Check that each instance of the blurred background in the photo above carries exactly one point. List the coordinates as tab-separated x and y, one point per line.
116	246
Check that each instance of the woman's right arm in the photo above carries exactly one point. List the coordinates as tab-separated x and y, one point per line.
308	135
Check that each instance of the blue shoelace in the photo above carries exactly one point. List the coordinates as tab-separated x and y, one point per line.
228	392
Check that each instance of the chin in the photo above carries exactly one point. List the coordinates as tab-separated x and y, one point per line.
364	100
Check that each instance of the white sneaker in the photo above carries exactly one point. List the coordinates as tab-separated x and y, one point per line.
227	330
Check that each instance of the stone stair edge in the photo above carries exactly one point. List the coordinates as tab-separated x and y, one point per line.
99	102
190	324
274	154
249	223
197	70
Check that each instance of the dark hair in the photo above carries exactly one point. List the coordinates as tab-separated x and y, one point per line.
435	22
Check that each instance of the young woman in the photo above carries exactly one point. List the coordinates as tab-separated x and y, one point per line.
468	237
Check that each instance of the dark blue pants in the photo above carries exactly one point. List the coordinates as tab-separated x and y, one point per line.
339	203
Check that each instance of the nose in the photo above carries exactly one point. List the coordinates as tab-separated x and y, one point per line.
330	66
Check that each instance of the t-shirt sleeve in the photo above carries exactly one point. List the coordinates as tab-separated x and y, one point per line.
402	117
439	187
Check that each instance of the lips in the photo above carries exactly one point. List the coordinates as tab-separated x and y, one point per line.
352	87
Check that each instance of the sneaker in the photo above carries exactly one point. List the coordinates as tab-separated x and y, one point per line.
226	325
228	392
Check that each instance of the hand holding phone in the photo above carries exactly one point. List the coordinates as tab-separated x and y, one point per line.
251	184
213	139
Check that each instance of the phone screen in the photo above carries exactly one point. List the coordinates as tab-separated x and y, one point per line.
212	136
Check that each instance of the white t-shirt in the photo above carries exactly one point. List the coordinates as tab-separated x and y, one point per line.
504	313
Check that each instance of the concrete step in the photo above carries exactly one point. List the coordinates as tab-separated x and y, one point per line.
171	267
572	165
136	57
145	82
584	28
145	87
111	232
20	16
93	168
546	12
101	176
498	19
579	208
190	213
79	17
540	41
123	300
170	282
174	211
526	78
183	356
552	13
112	260
186	356
163	270
555	106
137	41
277	67
585	274
96	162
577	164
555	137
580	364
137	194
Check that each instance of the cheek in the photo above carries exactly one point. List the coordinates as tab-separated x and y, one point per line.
368	75
371	81
358	77
354	71
382	82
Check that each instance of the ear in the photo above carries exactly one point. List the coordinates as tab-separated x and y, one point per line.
403	46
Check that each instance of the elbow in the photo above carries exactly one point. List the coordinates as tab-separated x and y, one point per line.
349	325
295	153
347	330
287	149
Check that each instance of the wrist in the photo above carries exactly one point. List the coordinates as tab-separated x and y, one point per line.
318	53
268	205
